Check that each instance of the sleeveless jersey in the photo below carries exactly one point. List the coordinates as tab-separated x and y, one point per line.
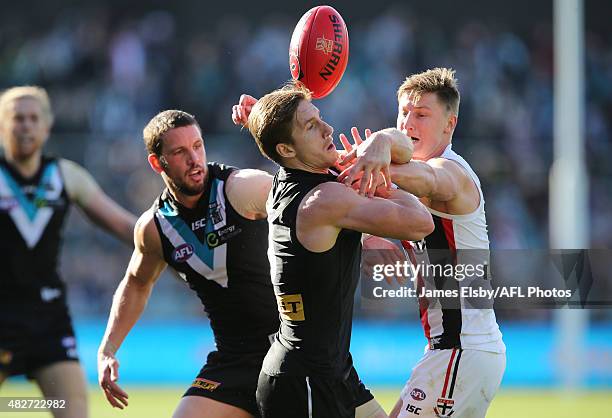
222	256
457	240
32	214
314	291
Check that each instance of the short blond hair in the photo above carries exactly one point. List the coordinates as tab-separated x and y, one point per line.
271	119
30	92
440	81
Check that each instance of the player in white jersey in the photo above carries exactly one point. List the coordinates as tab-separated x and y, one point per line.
465	357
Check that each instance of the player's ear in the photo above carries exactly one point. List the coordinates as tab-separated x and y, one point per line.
285	150
157	163
451	123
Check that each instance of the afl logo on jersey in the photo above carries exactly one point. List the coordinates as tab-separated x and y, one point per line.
417	394
182	253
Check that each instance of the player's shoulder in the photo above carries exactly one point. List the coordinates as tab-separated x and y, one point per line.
247	176
451	166
71	170
244	180
327	199
220	171
67	165
145	230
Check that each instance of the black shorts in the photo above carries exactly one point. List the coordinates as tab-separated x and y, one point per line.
310	397
34	338
229	378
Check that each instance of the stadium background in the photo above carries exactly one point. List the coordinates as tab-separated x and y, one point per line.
109	66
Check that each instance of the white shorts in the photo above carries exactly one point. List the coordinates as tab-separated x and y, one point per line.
453	383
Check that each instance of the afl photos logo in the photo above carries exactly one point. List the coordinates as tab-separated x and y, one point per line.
182	253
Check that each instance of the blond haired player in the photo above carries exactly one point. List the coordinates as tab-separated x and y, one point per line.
465	360
36	191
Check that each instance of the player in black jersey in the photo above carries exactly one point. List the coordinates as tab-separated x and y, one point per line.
315	248
36	191
209	226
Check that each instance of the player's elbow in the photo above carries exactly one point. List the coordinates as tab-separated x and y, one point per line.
420	225
426	226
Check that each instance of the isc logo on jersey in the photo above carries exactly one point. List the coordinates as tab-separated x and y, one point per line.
182	253
200	223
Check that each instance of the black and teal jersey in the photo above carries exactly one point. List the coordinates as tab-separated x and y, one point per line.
32	215
314	291
222	256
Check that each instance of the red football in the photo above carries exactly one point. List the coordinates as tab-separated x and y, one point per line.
319	50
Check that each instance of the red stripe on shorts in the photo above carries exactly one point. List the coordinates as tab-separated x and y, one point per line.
448	372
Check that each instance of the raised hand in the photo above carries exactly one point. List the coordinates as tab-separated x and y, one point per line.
242	110
370	157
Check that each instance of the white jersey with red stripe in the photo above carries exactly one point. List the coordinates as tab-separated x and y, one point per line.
458	240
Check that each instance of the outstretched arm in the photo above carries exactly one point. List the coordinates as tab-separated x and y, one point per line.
97	206
129	302
437	179
330	207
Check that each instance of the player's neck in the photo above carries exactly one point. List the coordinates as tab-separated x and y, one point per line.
27	166
188	201
436	154
300	165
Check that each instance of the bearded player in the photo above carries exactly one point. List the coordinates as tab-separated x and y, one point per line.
465	359
209	225
36	191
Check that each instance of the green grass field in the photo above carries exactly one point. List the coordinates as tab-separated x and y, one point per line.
147	402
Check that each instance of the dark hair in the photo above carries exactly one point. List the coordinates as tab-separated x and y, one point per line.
154	132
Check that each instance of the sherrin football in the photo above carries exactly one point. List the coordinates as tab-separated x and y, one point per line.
319	50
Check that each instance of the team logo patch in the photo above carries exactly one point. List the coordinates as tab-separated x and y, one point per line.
444	407
182	253
417	394
205	384
214	211
221	236
5	357
291	307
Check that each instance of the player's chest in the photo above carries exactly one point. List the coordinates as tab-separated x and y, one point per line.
32	206
198	245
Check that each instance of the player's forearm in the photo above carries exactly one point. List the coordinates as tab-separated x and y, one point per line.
103	211
415	177
122	225
415	221
128	304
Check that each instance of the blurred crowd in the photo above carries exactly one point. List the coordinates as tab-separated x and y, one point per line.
107	76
